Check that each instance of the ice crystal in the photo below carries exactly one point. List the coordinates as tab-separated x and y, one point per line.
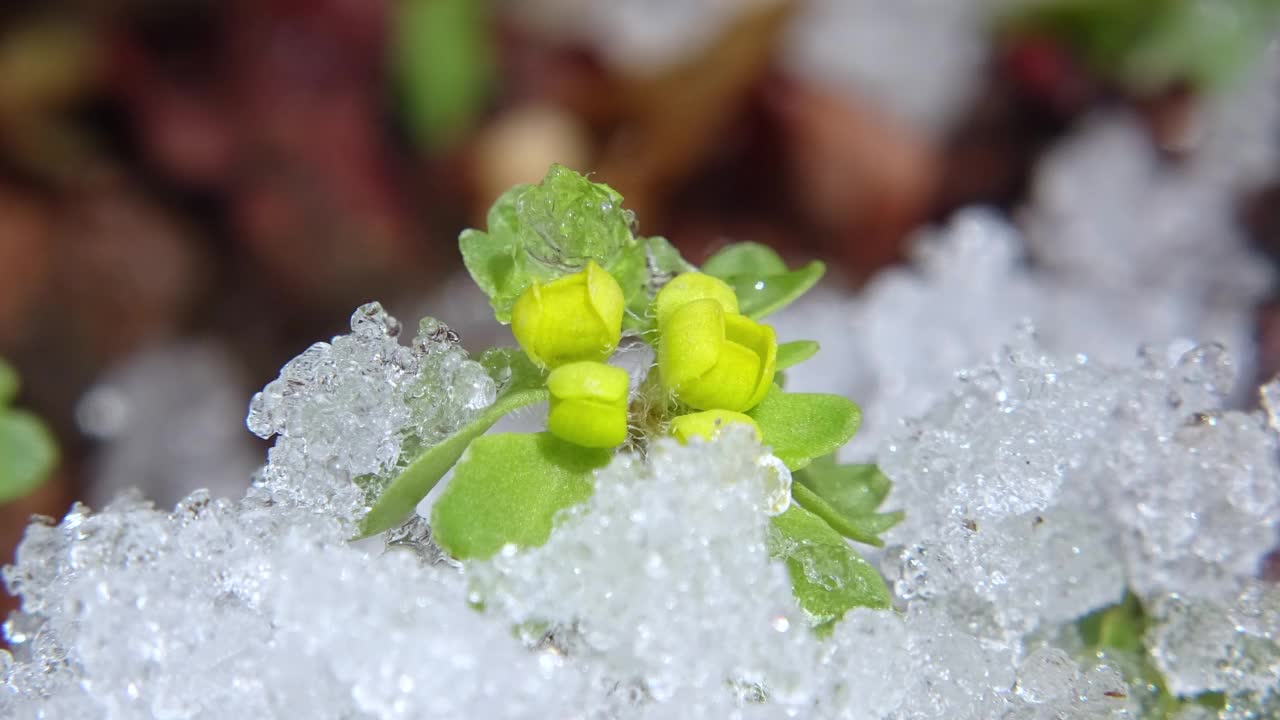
350	408
671	593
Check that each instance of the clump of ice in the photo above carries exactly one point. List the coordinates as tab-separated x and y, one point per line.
665	580
1117	248
1232	646
344	410
1028	507
1042	488
231	610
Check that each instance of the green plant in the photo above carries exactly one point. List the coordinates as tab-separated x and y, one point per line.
28	452
560	262
1117	635
1152	45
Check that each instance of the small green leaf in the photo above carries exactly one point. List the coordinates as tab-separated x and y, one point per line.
8	383
802	426
851	489
760	278
758	297
828	577
1117	633
864	528
791	354
746	258
443	65
545	231
508	488
410	486
28	454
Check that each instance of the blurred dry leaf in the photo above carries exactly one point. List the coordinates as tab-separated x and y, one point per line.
860	175
673	117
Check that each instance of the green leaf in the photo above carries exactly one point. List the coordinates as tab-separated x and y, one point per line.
508	488
443	65
850	489
410	486
760	278
8	383
746	258
545	231
828	577
865	528
665	261
28	454
793	353
1153	45
802	426
760	296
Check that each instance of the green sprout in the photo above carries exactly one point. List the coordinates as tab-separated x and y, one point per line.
28	452
560	263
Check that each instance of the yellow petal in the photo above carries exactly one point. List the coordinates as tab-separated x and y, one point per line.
690	343
687	287
708	424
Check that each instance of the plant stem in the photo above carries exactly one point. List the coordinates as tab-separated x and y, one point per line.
809	500
407	490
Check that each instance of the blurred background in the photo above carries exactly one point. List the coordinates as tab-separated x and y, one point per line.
193	191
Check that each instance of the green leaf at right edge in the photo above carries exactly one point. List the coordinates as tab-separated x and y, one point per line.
8	383
791	354
828	577
802	426
761	296
28	454
508	488
760	278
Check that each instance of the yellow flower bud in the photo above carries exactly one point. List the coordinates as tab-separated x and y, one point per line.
687	287
574	318
708	424
714	359
588	404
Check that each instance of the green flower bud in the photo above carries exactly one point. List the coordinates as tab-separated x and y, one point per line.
574	318
713	359
588	404
687	287
708	424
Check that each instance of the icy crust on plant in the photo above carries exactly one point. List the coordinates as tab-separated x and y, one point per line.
657	598
1041	488
662	582
348	410
1117	248
244	610
1234	645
